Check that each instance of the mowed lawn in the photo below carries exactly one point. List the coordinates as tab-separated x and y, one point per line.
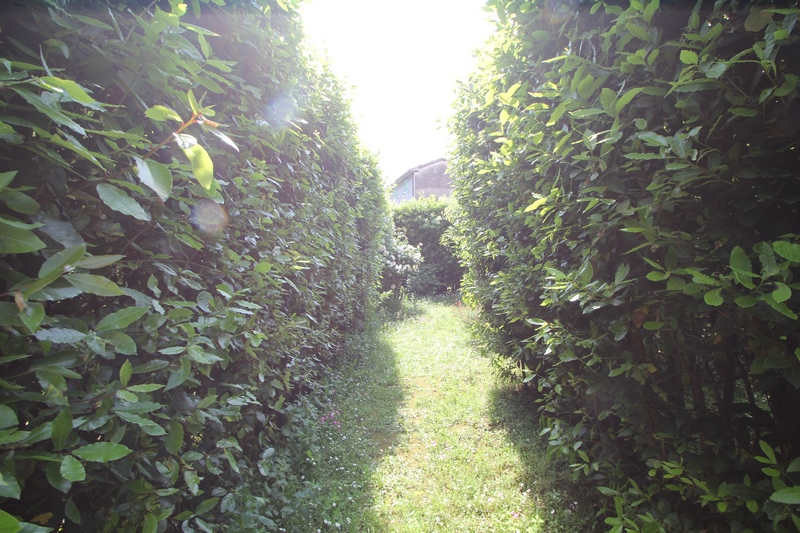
421	436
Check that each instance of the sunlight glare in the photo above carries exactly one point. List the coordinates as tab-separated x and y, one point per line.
400	62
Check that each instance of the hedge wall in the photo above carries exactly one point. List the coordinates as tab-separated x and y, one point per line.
425	222
627	174
188	229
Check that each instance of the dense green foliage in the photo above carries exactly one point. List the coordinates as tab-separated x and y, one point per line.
187	231
400	261
627	175
425	223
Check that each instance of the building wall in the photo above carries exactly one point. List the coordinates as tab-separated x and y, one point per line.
404	190
430	179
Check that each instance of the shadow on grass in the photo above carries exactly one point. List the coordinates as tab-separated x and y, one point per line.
564	506
358	426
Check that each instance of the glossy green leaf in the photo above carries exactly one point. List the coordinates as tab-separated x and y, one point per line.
20	202
6	178
789	496
221	136
179	376
716	70
32	316
739	261
779	307
9	486
650	10
123	344
72	511
14	240
714	297
147	425
101	452
193	104
156	176
174	440
60	335
97	261
8	524
48	108
72	469
202	167
743	111
192	481
120	201
7	417
782	292
75	91
58	263
94	284
161	113
150	524
787	250
657	276
121	319
145	387
688	57
61	429
125	372
127	396
205	506
746	301
626	99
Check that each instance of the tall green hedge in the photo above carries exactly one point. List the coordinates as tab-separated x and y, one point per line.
425	222
187	230
627	174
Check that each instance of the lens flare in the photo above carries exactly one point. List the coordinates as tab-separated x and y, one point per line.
209	217
279	110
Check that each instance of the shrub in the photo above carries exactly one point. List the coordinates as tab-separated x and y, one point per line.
189	229
425	223
400	261
627	181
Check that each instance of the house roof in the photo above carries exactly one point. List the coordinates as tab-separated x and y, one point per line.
417	168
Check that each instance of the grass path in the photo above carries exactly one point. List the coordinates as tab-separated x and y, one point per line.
421	437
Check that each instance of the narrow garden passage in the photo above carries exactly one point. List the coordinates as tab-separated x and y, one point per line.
421	436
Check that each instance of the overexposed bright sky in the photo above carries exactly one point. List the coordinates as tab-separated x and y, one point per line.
399	60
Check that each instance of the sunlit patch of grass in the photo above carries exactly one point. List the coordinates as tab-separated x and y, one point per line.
420	436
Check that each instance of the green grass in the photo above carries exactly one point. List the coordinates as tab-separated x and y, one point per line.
419	436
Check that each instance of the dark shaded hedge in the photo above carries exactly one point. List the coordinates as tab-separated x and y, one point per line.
424	221
188	229
627	175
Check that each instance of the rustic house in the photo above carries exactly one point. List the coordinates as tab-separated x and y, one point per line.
430	179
